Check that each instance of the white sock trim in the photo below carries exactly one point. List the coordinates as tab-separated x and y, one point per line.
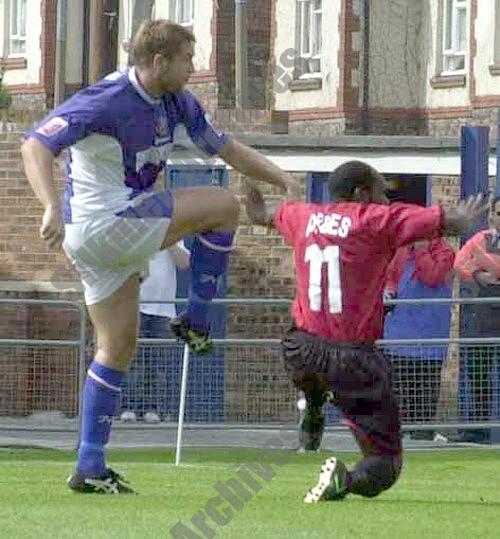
215	247
99	380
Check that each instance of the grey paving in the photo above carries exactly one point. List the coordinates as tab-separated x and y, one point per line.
56	432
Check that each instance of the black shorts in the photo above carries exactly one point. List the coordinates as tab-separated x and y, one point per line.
358	376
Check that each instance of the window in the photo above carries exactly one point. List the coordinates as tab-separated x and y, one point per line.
183	12
454	36
139	11
17	27
309	37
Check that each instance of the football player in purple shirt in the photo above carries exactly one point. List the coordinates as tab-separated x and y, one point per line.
118	133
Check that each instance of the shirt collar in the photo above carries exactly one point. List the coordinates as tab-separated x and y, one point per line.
132	76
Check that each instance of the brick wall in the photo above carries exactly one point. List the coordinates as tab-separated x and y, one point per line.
48	46
24	256
259	32
252	120
410	124
261	266
259	53
207	93
27	381
28	102
328	128
451	127
398	126
225	56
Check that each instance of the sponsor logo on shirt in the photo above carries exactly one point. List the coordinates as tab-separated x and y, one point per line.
52	127
331	224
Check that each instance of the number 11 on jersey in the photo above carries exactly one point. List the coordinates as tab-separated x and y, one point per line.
331	257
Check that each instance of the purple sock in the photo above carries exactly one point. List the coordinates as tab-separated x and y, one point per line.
209	260
101	396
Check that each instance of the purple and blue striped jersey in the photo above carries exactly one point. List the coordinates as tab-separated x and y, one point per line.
119	139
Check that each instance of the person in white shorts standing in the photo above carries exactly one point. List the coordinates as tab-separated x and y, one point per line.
144	392
118	133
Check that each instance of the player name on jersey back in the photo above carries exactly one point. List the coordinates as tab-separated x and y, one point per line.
331	224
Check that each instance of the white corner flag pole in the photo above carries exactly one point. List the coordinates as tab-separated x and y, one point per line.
182	404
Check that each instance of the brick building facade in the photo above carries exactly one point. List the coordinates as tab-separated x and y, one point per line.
372	86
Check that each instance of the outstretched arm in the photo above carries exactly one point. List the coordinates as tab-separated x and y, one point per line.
252	163
408	223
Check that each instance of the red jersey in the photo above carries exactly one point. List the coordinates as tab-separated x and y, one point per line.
341	253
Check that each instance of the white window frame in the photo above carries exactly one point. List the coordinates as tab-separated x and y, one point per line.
308	38
20	35
180	6
130	19
451	51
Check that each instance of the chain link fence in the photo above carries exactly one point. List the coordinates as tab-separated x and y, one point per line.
45	349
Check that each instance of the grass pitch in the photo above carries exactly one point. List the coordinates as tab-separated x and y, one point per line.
443	494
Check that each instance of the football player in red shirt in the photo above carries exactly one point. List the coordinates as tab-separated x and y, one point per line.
341	253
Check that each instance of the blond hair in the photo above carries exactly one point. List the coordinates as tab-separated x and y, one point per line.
158	37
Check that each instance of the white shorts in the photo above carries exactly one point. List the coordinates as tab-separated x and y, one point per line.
107	250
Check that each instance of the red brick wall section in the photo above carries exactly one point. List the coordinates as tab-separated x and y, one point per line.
472	50
348	59
225	53
27	381
48	46
259	37
259	53
445	190
260	267
24	256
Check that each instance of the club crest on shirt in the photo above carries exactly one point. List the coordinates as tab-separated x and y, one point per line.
162	127
162	132
53	126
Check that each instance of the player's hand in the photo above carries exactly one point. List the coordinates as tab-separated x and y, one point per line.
255	205
52	229
472	209
466	214
291	186
485	278
287	182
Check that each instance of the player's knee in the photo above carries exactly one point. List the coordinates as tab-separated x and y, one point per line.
119	352
393	471
384	475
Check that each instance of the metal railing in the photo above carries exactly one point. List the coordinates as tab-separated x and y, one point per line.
242	383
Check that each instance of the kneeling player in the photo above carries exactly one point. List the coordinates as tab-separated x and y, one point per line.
341	251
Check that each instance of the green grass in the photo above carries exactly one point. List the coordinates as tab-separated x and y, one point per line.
453	494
